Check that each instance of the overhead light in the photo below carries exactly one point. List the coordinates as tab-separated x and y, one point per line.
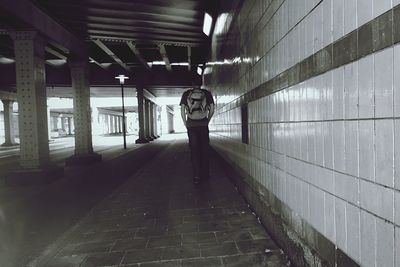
158	63
207	24
199	70
6	60
121	78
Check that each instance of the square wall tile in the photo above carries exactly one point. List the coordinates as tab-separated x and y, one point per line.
383	77
381	6
377	199
338	93
340	223
366	86
327	80
366	149
397	154
351	91
350	20
384	243
368	239
396	82
364	11
329	211
353	231
327	22
384	153
397	207
397	248
338	19
346	187
319	143
351	147
338	146
311	141
327	132
317	209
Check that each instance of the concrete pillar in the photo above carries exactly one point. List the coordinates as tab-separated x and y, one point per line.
120	124
82	114
170	122
116	118
69	125
156	133
49	123
147	118
112	128
9	133
107	123
152	120
32	104
141	117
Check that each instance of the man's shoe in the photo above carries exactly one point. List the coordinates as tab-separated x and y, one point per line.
196	180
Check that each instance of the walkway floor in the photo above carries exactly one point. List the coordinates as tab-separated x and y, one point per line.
159	218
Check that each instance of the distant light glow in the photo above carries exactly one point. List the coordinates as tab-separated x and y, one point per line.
121	78
207	24
199	70
56	62
158	63
180	64
220	23
6	60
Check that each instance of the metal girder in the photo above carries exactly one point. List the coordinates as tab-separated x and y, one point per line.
26	12
147	41
132	46
97	63
164	56
55	53
111	54
4	95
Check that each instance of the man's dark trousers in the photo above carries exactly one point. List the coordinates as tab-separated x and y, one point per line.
199	151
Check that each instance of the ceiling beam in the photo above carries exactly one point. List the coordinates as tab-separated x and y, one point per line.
132	46
97	63
164	56
134	35
142	15
26	12
155	41
111	54
55	53
189	58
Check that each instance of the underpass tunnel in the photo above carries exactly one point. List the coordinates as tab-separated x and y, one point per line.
95	162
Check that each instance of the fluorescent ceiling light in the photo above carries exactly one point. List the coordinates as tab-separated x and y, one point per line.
207	24
6	60
221	22
158	63
199	70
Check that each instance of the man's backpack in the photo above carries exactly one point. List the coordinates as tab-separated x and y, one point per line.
197	104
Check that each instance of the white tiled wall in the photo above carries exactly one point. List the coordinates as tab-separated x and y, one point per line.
328	147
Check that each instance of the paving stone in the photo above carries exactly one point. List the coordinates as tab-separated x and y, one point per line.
218	249
66	261
162	264
142	255
224	236
198	238
214	226
129	244
256	245
103	259
209	262
185	251
93	247
165	241
253	260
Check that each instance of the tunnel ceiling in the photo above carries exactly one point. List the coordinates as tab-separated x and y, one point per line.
127	36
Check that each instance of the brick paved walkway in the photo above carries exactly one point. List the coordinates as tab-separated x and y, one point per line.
159	218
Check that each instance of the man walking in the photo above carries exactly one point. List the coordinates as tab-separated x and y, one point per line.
197	108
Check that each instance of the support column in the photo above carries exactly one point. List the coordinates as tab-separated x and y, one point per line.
49	123
147	117
112	124
141	117
116	124
156	121
69	126
9	133
82	114
151	120
120	124
106	122
35	165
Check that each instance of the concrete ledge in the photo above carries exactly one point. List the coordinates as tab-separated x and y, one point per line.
141	141
310	248
9	144
83	159
26	177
